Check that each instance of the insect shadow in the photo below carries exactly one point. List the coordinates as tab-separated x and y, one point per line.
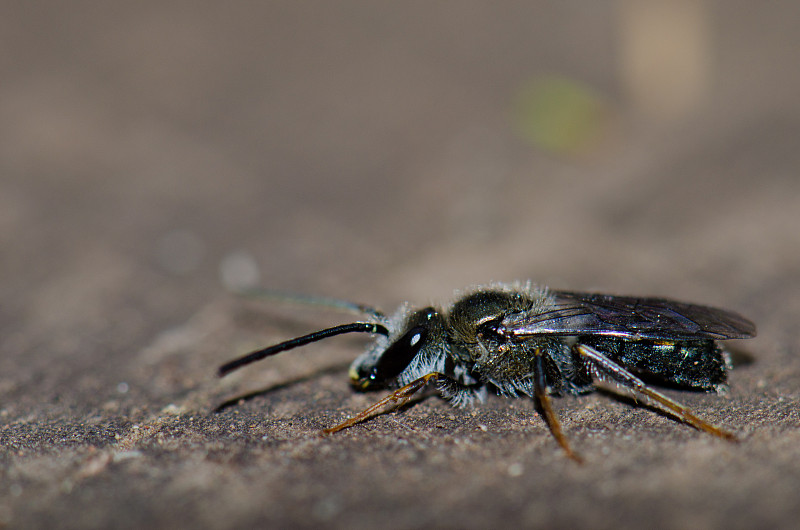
238	400
518	339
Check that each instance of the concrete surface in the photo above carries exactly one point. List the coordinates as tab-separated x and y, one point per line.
152	151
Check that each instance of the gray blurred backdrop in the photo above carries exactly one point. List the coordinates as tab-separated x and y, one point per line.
155	155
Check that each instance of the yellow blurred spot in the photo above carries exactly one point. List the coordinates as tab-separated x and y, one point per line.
560	115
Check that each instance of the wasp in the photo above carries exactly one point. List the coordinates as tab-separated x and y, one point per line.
520	339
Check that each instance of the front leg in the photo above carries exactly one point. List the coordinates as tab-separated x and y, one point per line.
393	401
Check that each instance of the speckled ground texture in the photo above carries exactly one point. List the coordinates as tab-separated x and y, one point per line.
150	149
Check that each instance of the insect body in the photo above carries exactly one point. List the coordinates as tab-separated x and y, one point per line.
520	339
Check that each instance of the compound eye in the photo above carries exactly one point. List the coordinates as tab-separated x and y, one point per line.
399	355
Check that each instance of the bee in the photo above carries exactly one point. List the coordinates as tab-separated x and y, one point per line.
519	339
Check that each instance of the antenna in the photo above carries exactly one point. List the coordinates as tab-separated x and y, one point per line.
354	327
322	301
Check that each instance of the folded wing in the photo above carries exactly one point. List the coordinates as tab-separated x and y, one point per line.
574	313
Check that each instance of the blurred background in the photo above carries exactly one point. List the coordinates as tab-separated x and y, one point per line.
154	155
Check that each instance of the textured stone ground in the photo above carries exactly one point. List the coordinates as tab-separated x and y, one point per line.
151	152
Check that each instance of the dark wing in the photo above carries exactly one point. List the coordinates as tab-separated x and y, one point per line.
628	317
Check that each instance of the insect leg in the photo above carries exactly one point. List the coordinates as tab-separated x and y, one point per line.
608	368
540	391
396	399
